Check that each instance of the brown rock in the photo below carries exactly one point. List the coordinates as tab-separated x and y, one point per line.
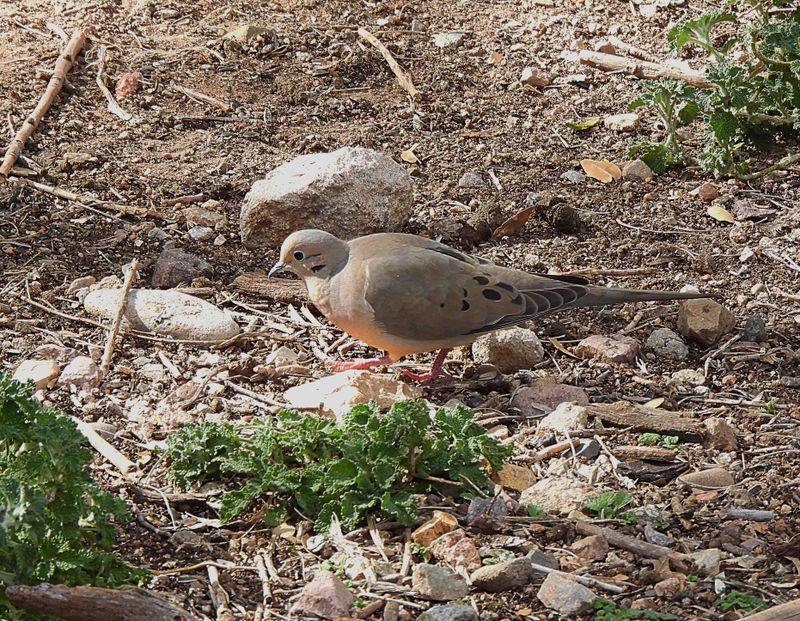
457	550
81	372
434	528
707	192
438	583
325	596
713	478
175	266
547	394
670	587
558	495
534	78
616	349
720	434
637	169
513	574
592	548
515	477
704	320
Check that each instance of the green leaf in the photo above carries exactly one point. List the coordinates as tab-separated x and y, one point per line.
584	124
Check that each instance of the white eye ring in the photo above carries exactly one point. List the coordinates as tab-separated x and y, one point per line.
298	255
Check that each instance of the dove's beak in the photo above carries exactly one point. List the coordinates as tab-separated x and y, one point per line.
278	267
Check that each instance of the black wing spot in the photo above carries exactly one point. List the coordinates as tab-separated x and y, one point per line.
464	305
441	305
481	280
491	294
455	254
466	293
518	299
506	286
483	261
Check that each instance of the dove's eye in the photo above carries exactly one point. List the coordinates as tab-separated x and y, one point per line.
298	255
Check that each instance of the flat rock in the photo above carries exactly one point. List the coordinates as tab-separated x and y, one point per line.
513	574
438	583
43	373
670	587
627	122
201	233
637	169
325	596
573	176
448	39
565	596
486	512
667	344
566	418
720	434
704	320
534	78
617	349
200	216
471	180
712	478
80	283
549	395
246	32
175	266
81	372
513	476
348	192
592	548
439	524
335	395
558	495
707	561
509	350
755	329
167	313
449	612
456	549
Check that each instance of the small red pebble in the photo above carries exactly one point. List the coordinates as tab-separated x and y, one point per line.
708	192
9	250
648	196
127	84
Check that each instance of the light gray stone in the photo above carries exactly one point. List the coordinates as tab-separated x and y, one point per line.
509	350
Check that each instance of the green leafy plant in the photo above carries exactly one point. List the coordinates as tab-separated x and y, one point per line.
606	610
609	505
668	442
55	522
737	600
367	463
753	101
535	511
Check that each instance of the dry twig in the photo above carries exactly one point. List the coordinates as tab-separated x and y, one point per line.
108	352
63	65
402	77
113	106
642	68
112	455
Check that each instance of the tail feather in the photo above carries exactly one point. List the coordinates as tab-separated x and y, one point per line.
601	296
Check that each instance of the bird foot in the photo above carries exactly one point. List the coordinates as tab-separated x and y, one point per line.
360	364
428	378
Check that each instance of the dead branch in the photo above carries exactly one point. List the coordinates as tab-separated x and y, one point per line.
219	597
402	77
642	68
117	459
279	290
640	418
202	97
108	352
584	580
636	546
113	106
86	603
790	611
63	65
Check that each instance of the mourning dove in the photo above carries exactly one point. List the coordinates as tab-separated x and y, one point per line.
406	294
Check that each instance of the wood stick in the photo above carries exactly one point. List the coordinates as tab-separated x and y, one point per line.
402	77
634	51
197	95
631	544
111	341
117	459
584	580
641	418
64	63
790	611
280	290
219	597
87	603
642	68
113	106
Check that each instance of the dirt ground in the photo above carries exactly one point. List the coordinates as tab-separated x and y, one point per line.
309	85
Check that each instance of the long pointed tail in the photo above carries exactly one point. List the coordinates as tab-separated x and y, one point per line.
601	296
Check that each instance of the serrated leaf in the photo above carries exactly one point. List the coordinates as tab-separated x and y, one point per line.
720	214
601	170
584	124
514	224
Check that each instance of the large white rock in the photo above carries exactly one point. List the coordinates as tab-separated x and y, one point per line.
168	313
43	373
559	495
509	350
349	192
336	394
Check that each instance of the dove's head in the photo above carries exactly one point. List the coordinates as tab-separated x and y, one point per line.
312	253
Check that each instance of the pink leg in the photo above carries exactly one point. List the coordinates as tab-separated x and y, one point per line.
363	363
437	369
